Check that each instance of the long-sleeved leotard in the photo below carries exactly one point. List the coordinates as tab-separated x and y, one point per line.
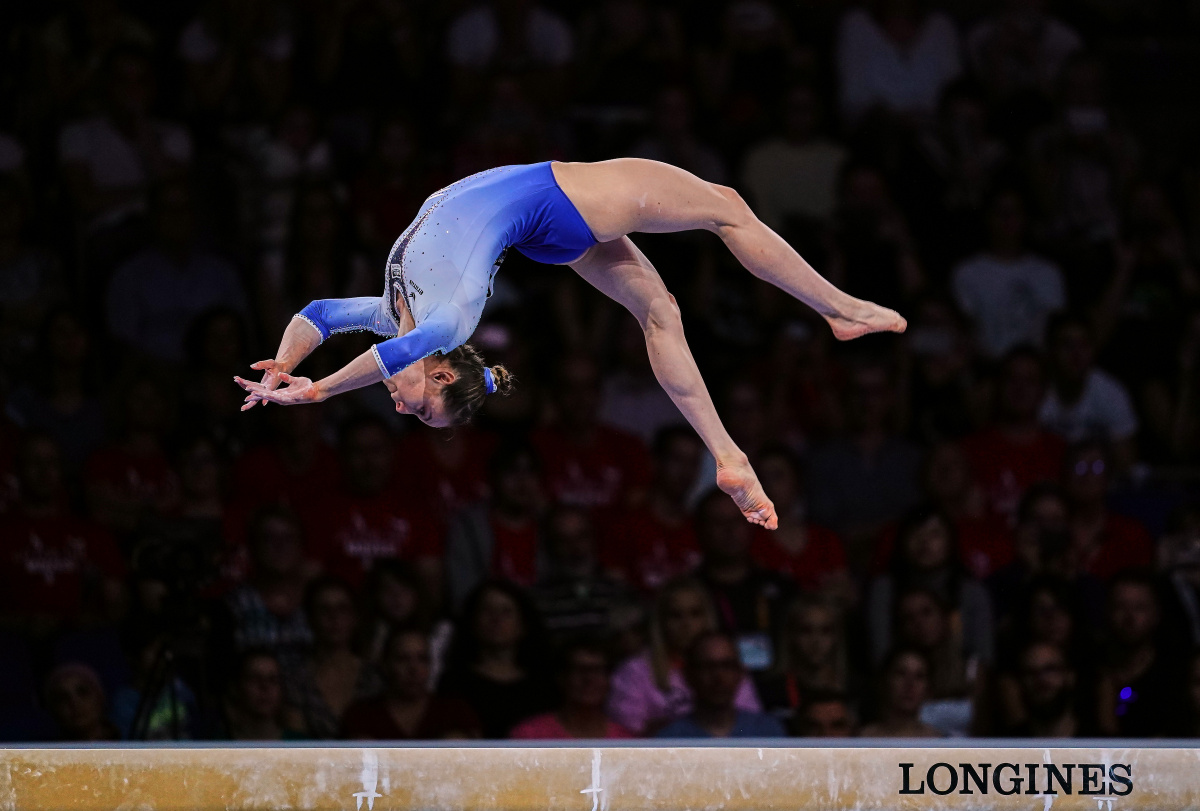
444	263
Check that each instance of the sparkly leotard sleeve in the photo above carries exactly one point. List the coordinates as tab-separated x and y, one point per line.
444	263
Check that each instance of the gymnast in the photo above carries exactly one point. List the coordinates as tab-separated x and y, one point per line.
440	273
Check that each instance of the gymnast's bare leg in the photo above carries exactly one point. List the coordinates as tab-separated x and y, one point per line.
622	272
625	195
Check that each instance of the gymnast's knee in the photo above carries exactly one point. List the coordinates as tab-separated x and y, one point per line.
662	315
734	211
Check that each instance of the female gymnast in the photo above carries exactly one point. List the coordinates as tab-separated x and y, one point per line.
440	273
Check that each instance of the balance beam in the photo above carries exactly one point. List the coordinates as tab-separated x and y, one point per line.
1108	777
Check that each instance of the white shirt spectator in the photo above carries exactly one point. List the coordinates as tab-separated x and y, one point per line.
152	299
786	179
1008	300
874	70
474	38
1104	411
115	162
1021	51
12	155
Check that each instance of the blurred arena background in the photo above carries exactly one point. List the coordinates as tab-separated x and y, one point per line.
989	525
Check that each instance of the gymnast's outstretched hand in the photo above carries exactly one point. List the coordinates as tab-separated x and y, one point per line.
298	390
271	371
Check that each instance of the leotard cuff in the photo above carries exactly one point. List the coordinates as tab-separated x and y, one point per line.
313	324
379	362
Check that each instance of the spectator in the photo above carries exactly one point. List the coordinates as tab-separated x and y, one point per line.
1179	558
826	715
860	483
650	544
1007	292
950	485
253	706
56	568
30	278
813	660
509	35
1021	49
215	346
331	676
1189	726
583	681
62	398
1052	612
944	387
649	690
1102	542
266	612
807	553
388	194
499	537
110	160
574	596
587	463
444	468
130	480
631	399
1015	453
903	690
791	178
366	518
1140	681
155	295
1048	695
674	140
395	597
714	673
749	598
407	710
75	699
894	56
496	663
1085	402
873	252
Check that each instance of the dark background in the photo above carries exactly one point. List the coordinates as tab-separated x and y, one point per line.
1004	498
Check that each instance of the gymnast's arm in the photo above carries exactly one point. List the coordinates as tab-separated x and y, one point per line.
381	361
311	326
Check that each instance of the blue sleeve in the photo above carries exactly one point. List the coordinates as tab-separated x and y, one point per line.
434	334
369	313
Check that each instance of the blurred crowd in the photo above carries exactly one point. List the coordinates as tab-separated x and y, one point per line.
989	525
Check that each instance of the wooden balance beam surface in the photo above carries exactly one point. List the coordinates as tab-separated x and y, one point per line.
598	779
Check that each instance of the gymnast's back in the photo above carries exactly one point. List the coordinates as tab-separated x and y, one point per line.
444	263
452	250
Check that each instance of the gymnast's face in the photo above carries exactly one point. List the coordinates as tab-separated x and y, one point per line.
418	389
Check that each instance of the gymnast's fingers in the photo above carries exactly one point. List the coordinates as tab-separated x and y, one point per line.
268	365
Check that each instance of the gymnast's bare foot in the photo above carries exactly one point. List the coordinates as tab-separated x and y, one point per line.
862	318
737	479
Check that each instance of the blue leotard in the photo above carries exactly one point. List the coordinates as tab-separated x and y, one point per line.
444	262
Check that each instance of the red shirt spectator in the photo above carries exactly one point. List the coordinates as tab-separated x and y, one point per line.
1123	543
444	470
348	533
821	555
984	546
48	559
647	550
369	517
1016	453
650	545
1006	467
603	468
514	555
586	464
48	563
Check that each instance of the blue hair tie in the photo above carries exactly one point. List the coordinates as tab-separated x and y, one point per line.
489	382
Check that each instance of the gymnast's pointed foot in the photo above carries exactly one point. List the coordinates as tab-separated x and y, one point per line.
737	479
863	317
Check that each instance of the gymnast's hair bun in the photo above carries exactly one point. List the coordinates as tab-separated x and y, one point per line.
504	379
